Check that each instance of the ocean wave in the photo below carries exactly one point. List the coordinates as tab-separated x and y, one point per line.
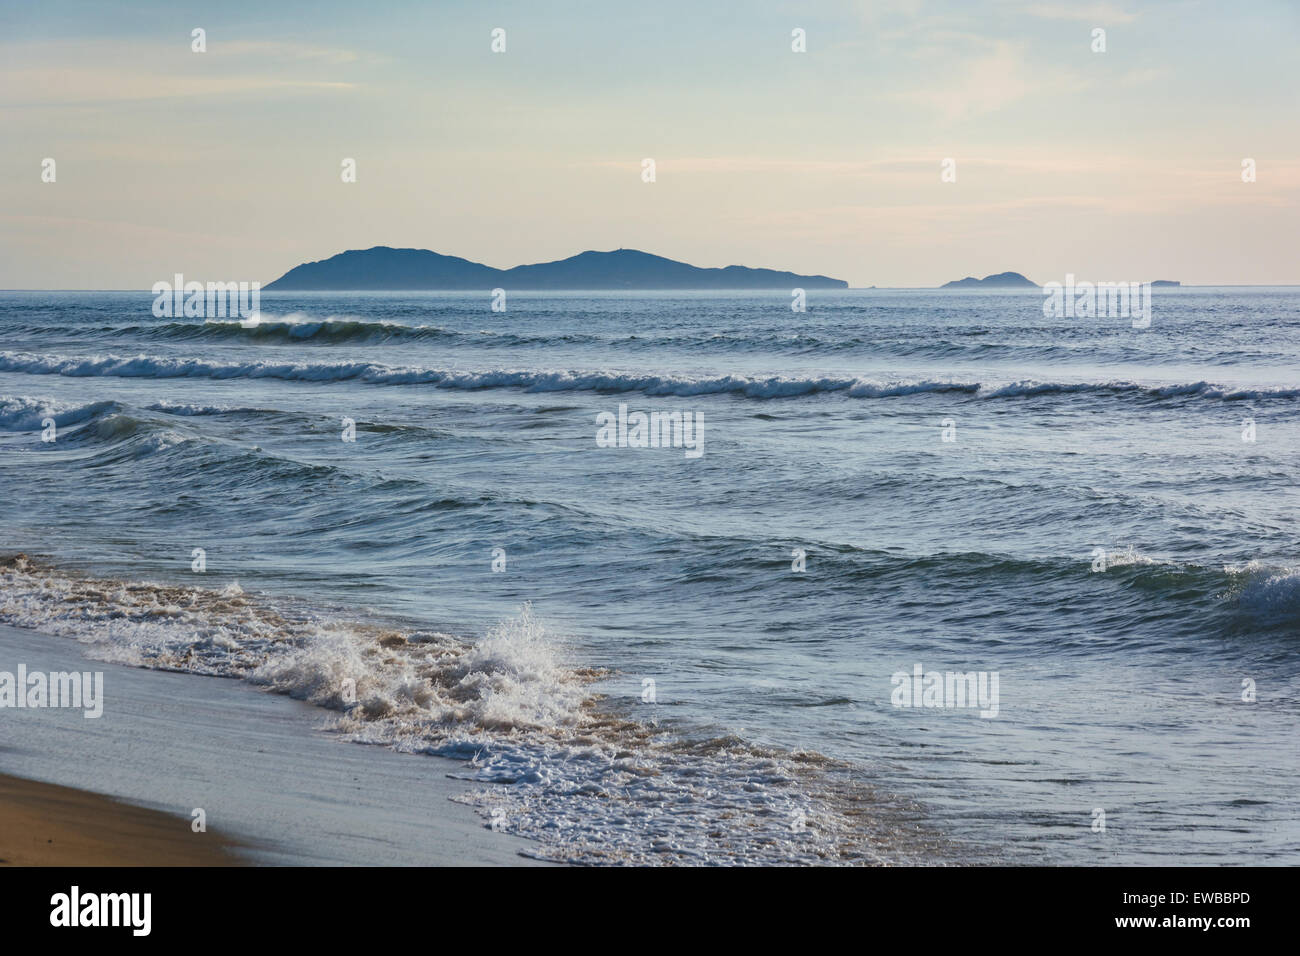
555	762
302	328
193	409
19	413
107	422
144	366
935	342
748	386
297	327
1030	388
1271	595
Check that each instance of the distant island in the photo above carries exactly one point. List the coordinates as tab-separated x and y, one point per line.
383	268
1003	280
1165	284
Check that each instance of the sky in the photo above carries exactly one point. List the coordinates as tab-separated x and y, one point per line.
226	165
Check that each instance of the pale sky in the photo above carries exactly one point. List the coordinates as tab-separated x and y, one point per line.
225	165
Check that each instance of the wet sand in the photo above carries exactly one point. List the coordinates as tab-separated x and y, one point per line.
280	790
46	825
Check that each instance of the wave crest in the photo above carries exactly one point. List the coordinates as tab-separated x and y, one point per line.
756	387
1271	595
586	784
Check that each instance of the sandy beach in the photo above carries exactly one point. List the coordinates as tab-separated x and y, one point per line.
46	825
274	788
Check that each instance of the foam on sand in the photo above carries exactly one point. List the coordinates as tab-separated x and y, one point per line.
554	761
255	763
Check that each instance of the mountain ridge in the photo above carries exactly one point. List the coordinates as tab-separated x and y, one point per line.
1000	280
389	269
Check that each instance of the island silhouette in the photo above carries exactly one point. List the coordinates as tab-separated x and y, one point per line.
1002	280
387	269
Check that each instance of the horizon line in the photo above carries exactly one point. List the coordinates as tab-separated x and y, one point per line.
871	288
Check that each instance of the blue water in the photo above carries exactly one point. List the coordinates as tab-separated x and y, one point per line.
1119	690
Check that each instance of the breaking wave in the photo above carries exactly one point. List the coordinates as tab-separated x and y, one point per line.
553	760
748	386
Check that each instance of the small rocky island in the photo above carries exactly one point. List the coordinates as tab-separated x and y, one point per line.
1003	280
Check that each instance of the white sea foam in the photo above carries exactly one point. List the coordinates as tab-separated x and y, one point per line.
554	764
300	325
20	413
1268	593
195	409
759	387
1132	558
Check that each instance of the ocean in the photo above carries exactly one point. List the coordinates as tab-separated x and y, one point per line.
911	577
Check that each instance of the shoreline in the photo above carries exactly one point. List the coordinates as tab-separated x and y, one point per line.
275	789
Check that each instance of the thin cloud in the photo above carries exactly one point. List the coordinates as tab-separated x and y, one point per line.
989	82
28	87
100	71
285	50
